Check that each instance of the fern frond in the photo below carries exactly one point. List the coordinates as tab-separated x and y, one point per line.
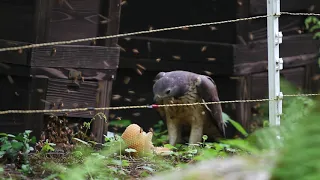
301	153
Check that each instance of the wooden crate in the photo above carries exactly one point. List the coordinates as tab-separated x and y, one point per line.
46	75
37	21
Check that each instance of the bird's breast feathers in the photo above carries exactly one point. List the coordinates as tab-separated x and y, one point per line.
190	97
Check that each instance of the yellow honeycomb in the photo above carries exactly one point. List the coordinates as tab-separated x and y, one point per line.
136	138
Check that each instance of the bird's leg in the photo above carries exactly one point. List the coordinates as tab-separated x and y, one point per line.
173	132
196	132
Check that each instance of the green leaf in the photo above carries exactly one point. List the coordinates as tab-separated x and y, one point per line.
225	117
238	127
315	27
3	134
120	123
16	145
242	144
310	20
6	146
26	168
47	148
120	163
316	35
11	135
27	132
265	123
33	140
193	151
207	154
19	137
169	146
7	135
2	153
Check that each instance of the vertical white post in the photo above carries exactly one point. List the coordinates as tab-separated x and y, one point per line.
274	62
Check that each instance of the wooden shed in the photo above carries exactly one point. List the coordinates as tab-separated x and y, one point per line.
233	54
58	76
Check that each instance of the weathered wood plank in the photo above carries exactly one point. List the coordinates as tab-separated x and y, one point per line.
243	92
153	65
74	19
13	89
114	22
176	50
87	74
42	20
262	66
291	46
61	73
13	57
242	26
111	24
260	6
135	17
36	92
75	56
16	18
288	25
103	100
312	78
65	94
257	88
259	81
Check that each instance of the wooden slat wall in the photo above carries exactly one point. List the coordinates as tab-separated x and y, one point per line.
288	25
74	19
14	95
61	91
100	127
13	57
260	6
144	14
295	50
16	19
72	56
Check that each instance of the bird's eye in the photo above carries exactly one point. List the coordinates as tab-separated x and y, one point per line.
168	91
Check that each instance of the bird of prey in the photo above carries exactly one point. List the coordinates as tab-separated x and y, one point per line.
179	87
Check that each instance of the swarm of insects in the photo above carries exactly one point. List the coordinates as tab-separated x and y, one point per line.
60	132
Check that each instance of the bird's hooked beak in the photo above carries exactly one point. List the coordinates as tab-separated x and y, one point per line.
156	98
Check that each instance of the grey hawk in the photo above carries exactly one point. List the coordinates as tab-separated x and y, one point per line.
178	87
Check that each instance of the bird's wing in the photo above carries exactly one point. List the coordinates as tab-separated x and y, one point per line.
207	90
160	110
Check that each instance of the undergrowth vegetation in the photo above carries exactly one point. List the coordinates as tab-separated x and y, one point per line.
295	145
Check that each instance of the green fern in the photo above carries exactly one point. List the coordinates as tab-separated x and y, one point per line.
301	153
298	150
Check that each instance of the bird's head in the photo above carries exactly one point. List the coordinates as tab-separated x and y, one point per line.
167	87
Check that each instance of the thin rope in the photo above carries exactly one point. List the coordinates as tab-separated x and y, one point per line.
148	31
300	14
128	34
143	106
